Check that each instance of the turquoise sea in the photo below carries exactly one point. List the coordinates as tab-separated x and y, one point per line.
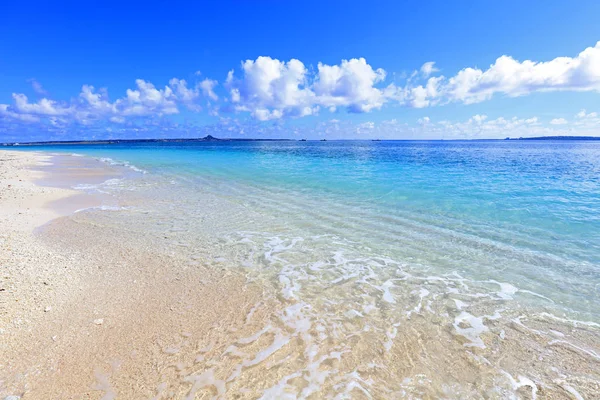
491	248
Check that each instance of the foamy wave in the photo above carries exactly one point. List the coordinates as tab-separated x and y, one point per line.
103	208
87	187
373	302
111	161
98	187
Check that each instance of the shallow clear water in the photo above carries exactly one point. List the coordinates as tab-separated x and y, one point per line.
362	243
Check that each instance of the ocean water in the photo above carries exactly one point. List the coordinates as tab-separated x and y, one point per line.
400	269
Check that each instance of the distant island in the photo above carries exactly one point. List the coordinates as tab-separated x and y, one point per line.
210	138
207	138
557	138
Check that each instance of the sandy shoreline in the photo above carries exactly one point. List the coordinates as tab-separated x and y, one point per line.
88	313
134	304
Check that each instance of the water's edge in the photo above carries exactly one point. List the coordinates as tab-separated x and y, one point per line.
401	304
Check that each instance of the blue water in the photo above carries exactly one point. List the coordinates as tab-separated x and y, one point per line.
537	200
549	182
470	242
540	198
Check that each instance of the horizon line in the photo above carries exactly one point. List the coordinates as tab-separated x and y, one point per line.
210	138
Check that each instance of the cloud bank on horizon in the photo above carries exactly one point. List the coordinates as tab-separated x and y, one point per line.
268	89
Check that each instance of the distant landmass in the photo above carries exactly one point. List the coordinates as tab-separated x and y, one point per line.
557	138
208	138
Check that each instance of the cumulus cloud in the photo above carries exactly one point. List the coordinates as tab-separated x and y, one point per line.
559	121
587	122
428	68
186	95
42	107
510	77
5	112
145	100
96	101
208	86
478	119
350	84
583	114
421	96
270	88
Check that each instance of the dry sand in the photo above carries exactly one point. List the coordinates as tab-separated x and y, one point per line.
86	312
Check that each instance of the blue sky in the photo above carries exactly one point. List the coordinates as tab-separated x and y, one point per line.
404	70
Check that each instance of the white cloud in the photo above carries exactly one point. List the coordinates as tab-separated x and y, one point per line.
476	127
587	122
263	114
506	76
117	120
366	125
185	95
98	102
513	78
481	126
350	84
428	68
37	87
207	86
420	96
42	107
362	128
559	121
583	114
91	105
6	113
478	119
271	89
147	100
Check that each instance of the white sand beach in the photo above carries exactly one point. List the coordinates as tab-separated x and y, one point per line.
84	314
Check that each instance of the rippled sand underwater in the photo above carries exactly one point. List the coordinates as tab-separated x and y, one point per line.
363	305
